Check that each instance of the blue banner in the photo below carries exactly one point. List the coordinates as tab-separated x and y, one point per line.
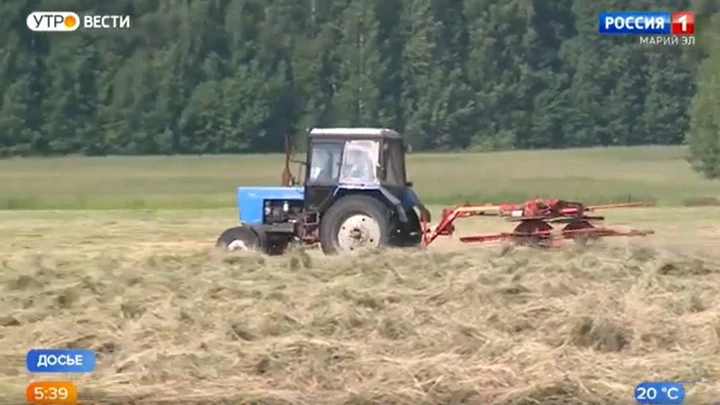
60	361
659	393
634	23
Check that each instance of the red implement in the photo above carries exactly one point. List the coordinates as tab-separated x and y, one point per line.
535	220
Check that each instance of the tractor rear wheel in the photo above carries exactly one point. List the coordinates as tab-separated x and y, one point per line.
240	238
354	223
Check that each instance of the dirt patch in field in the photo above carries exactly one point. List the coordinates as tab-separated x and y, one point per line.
492	326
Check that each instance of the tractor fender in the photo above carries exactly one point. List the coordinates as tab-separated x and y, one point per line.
394	201
410	199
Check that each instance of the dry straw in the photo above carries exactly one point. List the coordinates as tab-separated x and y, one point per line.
498	326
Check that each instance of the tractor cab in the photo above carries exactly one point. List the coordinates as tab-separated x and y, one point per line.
361	156
353	158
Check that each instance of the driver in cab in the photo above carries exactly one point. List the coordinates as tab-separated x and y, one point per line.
359	166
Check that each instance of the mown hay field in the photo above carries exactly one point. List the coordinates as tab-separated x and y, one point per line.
601	175
174	320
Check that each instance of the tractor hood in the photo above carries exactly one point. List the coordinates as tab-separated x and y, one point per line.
251	200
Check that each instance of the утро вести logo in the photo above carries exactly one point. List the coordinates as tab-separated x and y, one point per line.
66	21
53	21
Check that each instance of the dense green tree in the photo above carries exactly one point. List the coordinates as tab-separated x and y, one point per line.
235	76
704	135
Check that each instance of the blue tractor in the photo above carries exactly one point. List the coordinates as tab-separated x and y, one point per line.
355	196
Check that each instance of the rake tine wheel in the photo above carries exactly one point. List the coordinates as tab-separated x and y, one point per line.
580	231
533	232
535	220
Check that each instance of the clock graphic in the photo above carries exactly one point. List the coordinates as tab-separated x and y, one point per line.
51	393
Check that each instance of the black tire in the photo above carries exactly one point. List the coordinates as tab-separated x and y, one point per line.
276	245
247	235
346	207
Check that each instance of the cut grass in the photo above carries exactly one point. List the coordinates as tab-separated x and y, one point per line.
174	320
655	174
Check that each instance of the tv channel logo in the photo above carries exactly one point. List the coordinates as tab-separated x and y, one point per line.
65	21
60	361
53	21
646	23
682	23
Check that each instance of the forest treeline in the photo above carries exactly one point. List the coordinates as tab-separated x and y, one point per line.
230	76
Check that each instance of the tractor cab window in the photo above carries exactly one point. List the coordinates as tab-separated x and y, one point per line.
360	162
393	155
325	162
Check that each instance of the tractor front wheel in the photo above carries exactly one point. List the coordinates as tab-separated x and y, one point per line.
354	223
240	238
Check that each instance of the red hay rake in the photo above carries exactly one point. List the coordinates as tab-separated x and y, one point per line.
535	220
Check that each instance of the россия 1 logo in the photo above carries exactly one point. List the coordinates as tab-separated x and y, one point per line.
654	27
66	21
